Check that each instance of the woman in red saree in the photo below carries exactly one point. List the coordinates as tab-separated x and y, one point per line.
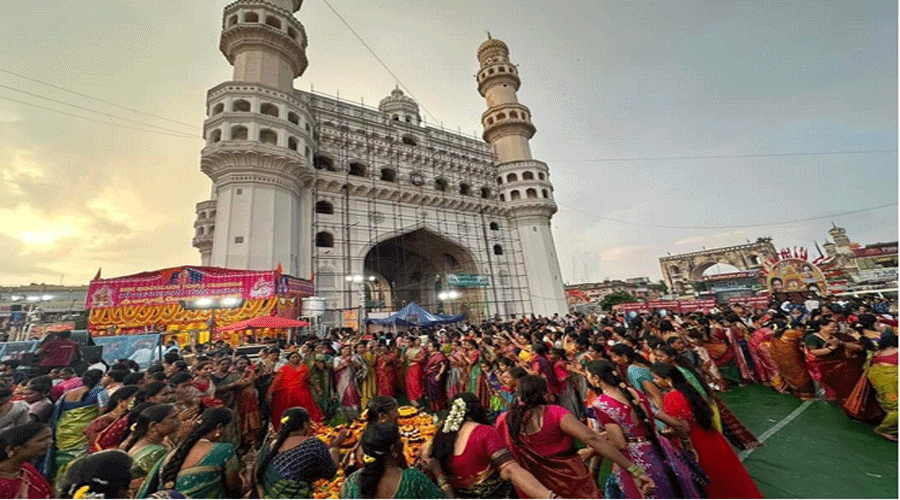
385	371
415	361
727	476
759	344
289	389
18	446
542	438
835	359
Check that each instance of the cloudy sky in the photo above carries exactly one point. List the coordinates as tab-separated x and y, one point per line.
653	116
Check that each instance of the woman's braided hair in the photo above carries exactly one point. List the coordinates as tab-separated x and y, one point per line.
699	406
377	442
151	415
211	419
292	420
607	373
532	393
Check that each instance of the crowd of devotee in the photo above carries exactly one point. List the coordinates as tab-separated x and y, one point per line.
520	407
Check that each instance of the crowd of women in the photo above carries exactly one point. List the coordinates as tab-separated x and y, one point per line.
528	408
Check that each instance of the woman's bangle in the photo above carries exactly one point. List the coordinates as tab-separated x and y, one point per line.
635	470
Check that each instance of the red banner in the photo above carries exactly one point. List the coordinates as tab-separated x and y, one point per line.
688	306
168	286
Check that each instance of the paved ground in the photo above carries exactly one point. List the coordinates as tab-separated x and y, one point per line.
812	450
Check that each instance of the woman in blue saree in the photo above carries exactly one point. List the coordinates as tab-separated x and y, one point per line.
73	412
287	466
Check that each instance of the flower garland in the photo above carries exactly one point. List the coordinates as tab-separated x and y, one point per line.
455	417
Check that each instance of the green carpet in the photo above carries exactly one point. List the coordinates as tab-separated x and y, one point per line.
820	454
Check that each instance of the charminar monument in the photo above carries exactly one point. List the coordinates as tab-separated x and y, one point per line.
371	202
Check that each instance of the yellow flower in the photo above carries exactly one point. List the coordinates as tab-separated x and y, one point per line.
82	492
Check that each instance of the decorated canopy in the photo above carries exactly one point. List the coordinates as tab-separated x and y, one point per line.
155	300
414	315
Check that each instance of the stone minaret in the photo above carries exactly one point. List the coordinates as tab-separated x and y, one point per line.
524	183
259	141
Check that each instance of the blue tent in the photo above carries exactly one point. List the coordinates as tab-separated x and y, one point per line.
413	315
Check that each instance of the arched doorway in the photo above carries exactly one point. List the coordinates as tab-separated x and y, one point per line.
413	267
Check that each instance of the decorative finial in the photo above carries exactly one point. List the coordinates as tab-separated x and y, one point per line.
489	35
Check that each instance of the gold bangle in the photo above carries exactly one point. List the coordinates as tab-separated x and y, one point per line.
635	470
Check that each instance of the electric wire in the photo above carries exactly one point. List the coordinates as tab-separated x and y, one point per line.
95	98
380	61
736	226
100	121
719	157
95	111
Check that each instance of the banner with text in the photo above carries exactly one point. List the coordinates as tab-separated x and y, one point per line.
168	286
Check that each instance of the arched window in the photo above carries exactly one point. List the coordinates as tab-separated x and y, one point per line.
324	207
513	114
232	20
202	215
324	240
215	136
388	175
501	116
490	121
251	17
501	69
515	195
200	231
323	163
212	215
270	109
531	193
212	229
268	136
409	140
498	250
675	270
754	260
239	133
440	184
499	180
357	169
465	189
502	197
218	108
545	193
241	106
527	176
540	176
494	226
273	22
485	192
293	118
292	143
512	178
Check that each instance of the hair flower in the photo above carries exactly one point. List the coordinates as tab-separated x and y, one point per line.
284	420
368	459
455	417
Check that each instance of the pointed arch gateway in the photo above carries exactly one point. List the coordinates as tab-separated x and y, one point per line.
413	267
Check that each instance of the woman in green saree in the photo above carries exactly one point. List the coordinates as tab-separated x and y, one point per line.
386	474
288	465
147	444
200	467
74	411
881	370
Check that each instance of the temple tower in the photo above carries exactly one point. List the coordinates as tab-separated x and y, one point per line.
524	182
259	145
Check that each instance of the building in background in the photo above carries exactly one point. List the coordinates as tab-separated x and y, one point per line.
870	266
31	311
640	288
379	207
